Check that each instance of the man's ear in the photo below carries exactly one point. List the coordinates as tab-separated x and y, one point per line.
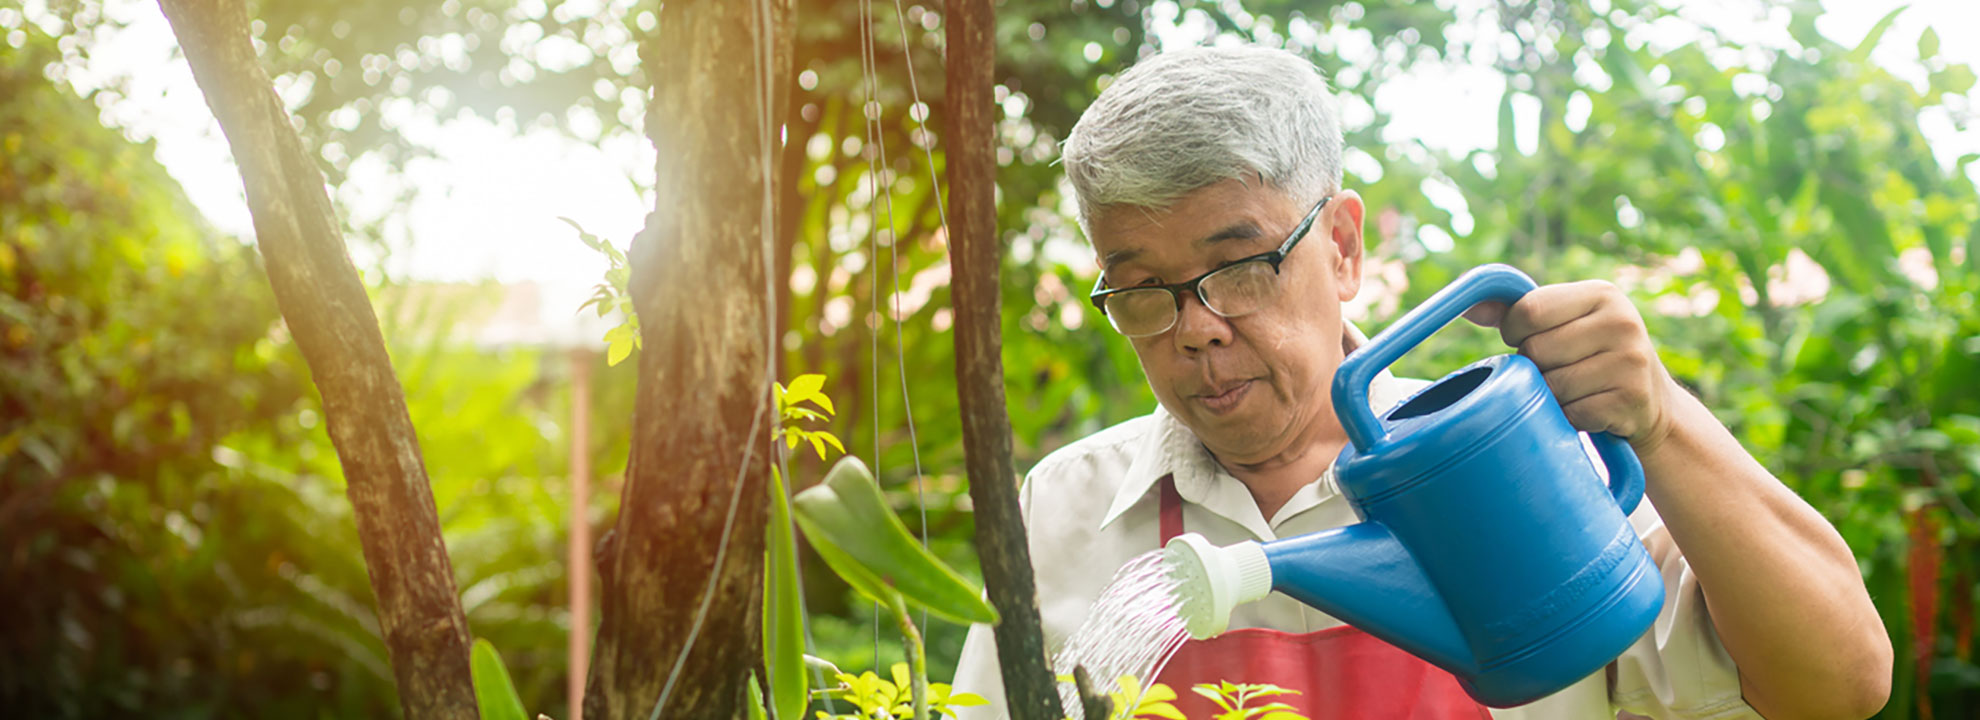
1342	220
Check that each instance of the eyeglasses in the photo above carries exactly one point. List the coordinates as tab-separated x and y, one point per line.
1240	287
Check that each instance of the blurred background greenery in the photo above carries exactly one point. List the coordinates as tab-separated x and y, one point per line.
1790	198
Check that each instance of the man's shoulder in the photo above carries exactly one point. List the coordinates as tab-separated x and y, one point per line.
1101	457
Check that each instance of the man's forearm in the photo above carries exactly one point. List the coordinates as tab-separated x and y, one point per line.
1783	590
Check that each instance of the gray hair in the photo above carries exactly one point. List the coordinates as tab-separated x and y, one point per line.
1185	119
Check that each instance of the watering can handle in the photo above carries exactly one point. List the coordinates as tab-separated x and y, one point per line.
1495	281
1625	470
1480	284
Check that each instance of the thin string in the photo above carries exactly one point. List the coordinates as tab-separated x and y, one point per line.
761	46
894	266
868	82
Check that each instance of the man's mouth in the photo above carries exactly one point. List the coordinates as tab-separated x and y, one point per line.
1222	400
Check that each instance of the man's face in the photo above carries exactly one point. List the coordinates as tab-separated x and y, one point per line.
1256	386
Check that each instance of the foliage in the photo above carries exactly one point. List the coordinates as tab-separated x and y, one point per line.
876	698
152	537
784	639
613	295
865	544
494	694
1130	702
791	413
1805	259
850	525
1235	701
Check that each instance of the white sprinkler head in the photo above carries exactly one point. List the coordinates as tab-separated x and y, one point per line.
1212	581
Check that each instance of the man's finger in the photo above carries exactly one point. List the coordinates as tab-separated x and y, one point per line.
1576	340
1486	314
1551	306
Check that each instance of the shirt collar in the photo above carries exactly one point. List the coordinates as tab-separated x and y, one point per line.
1169	448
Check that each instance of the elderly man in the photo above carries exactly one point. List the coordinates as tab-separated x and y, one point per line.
1209	182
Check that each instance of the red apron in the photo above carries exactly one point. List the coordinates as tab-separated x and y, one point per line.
1341	673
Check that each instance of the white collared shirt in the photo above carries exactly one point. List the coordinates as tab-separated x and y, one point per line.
1676	670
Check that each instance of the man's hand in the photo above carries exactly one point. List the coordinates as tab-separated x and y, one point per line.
1781	587
1591	346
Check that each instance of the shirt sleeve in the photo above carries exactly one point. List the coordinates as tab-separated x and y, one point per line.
977	672
1677	670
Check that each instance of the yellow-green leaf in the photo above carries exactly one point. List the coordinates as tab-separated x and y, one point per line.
783	610
803	387
965	700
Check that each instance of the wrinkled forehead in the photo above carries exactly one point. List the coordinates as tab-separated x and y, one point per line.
1191	226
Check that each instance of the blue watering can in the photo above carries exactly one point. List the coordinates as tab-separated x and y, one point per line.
1488	544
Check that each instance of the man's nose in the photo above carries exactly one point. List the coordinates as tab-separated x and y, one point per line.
1199	328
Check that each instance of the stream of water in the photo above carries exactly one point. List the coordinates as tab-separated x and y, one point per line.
1132	630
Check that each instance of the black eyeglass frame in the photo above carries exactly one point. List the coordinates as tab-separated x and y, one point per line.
1194	285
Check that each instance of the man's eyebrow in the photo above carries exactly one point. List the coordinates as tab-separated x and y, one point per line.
1245	230
1119	256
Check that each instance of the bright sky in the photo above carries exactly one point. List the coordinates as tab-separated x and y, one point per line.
487	207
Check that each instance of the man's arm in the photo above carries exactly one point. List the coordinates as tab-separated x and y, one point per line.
1783	591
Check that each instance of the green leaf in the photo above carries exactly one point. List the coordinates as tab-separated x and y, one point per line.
1954	80
817	444
783	610
589	239
830	439
617	351
493	692
1862	51
756	711
1928	44
846	516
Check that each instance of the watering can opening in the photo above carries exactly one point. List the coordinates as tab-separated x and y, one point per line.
1443	394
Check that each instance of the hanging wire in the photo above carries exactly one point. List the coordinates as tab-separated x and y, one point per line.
868	81
935	185
761	46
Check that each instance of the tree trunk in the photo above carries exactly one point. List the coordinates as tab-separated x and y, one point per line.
324	303
975	253
701	422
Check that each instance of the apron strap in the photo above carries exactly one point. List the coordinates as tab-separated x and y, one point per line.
1172	524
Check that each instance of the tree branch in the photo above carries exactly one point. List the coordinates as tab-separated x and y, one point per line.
975	253
324	303
698	287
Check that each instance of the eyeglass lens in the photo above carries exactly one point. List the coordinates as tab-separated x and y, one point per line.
1230	292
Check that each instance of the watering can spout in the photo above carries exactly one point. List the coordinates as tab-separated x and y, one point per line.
1360	574
1363	575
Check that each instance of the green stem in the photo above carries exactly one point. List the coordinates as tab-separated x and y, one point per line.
917	656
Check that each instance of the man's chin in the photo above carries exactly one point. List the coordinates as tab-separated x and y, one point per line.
1232	437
